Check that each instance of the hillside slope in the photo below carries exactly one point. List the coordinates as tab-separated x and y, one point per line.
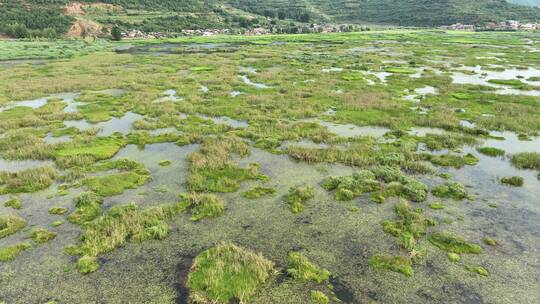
27	18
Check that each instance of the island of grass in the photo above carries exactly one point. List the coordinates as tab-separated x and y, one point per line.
400	264
9	253
514	181
491	151
10	224
298	197
451	243
227	272
29	180
300	268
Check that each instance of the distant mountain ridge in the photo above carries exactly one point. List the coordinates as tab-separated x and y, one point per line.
50	18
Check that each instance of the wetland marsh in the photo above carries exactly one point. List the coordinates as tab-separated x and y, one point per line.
374	167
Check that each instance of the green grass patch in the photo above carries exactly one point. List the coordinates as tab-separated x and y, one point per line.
398	264
14	203
300	268
258	192
29	180
9	253
203	205
452	190
452	243
298	197
88	207
57	210
514	181
478	270
227	272
10	224
115	184
490	151
41	235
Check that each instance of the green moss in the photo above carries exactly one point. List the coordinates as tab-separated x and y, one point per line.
115	184
300	268
298	197
436	206
477	269
490	241
515	181
258	192
29	180
57	223
57	210
452	243
87	264
452	190
398	264
203	205
9	253
349	187
401	184
10	224
490	151
454	257
318	297
14	203
88	207
165	163
41	235
227	272
96	148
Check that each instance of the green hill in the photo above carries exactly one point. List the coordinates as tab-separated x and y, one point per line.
50	18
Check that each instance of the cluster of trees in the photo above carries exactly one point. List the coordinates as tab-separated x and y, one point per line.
21	21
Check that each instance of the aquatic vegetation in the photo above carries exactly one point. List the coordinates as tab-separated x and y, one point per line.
10	224
89	149
41	235
114	184
436	205
452	190
449	141
165	163
213	170
451	160
490	151
451	243
202	205
226	272
87	264
409	227
298	197
453	257
57	210
349	187
515	181
57	223
300	268
9	253
508	82
258	192
490	241
398	264
29	180
14	203
527	160
88	207
318	297
400	184
477	269
121	224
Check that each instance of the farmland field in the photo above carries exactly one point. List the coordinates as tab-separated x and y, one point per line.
373	167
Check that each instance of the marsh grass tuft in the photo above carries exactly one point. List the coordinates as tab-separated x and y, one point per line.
452	190
41	235
452	243
88	207
10	224
318	297
258	192
14	203
490	151
398	264
57	210
29	180
477	269
9	253
202	205
300	268
515	181
298	197
227	272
